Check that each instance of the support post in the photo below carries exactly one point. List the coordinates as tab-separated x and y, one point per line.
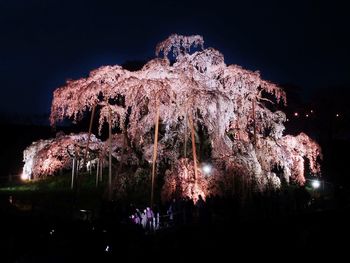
254	123
155	151
97	171
88	140
185	148
110	156
193	148
101	170
73	174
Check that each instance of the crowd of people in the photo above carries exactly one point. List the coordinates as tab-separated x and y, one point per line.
184	211
148	219
175	212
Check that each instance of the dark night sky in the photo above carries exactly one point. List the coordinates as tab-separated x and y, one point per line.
43	43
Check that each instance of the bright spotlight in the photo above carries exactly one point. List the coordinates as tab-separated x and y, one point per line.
206	169
315	184
25	177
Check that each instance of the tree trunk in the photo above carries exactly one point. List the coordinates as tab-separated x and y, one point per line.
155	151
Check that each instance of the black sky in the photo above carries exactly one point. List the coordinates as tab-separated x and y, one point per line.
44	43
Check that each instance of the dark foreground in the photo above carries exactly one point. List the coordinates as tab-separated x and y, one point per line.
33	236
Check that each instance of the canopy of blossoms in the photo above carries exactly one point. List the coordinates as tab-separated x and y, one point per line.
227	106
46	157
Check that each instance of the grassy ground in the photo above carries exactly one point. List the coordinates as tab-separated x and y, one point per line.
49	184
54	195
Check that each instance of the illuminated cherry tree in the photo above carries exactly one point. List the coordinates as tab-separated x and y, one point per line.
46	157
190	88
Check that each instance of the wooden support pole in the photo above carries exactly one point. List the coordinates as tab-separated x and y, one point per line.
123	149
254	123
101	170
185	148
90	129
73	174
97	171
110	156
77	167
155	151
193	148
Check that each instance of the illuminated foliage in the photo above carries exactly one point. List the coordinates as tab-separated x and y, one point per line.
226	101
46	157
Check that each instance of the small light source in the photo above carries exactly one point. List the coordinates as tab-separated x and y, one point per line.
296	114
315	184
337	115
107	249
206	169
311	111
24	176
307	115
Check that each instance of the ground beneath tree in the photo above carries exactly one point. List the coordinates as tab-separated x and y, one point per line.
39	236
